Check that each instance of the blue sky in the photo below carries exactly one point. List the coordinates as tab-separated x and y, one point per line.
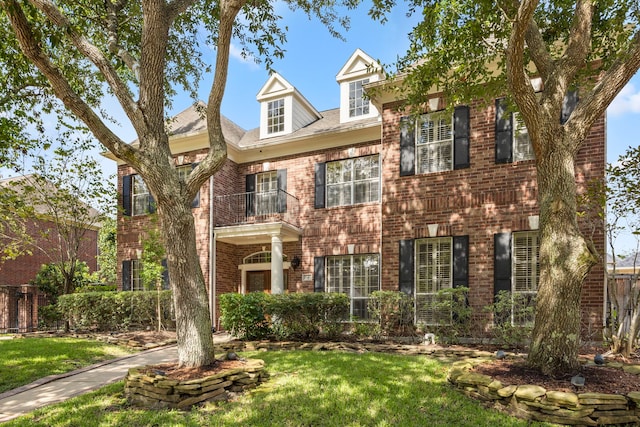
313	58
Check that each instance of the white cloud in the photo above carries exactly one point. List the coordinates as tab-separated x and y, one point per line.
236	52
627	101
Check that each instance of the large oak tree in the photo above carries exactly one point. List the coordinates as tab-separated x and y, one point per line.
483	49
143	52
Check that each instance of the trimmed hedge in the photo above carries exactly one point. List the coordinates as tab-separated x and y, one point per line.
286	316
112	311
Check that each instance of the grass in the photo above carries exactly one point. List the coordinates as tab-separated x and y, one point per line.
305	389
24	360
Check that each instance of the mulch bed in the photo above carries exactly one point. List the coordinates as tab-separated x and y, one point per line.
598	379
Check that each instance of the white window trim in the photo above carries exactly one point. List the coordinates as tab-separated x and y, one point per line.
352	182
134	196
519	128
431	294
266	199
351	293
437	143
535	271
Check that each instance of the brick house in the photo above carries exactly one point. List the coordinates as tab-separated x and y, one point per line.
18	299
358	198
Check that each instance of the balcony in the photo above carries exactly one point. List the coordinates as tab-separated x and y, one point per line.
256	208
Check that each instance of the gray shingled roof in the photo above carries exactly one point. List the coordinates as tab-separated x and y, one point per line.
192	121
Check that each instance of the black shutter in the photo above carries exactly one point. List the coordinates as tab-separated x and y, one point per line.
250	188
318	274
460	261
407	147
504	132
165	275
196	200
501	262
406	266
461	134
568	105
126	195
126	275
320	185
282	190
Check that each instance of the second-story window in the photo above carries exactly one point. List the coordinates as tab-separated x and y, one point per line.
358	104
353	181
140	196
522	148
275	116
434	143
266	193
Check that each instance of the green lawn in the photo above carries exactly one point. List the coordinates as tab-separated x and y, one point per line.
24	360
306	389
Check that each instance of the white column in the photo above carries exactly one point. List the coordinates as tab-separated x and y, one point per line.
277	274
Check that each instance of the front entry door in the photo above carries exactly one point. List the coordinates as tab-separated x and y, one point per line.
259	281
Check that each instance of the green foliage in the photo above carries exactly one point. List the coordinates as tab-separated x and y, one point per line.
113	311
245	315
455	323
366	329
96	287
512	319
287	316
152	255
50	280
49	317
324	389
107	252
306	315
395	312
14	215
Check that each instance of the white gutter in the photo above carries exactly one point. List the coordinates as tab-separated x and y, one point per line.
212	258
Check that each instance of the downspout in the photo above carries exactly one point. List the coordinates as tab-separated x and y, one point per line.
212	258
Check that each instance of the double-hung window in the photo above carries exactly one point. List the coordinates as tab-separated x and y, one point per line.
524	279
433	272
275	116
353	181
140	196
136	281
522	148
266	193
358	104
434	143
357	276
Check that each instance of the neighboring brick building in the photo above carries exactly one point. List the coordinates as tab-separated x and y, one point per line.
358	199
18	301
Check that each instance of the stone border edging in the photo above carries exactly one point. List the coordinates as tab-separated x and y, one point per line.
155	391
536	403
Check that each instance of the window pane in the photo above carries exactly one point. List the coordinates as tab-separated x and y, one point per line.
433	273
356	276
352	181
522	148
434	144
526	270
358	104
266	193
275	116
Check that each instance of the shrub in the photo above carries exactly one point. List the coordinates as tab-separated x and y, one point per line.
48	316
453	314
512	319
244	315
394	312
109	311
306	315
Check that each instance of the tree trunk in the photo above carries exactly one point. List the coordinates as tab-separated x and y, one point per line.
193	324
565	260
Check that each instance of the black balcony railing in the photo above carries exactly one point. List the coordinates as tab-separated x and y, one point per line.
256	208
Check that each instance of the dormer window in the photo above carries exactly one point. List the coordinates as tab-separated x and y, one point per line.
358	104
359	71
275	116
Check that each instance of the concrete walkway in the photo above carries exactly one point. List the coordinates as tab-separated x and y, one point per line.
58	388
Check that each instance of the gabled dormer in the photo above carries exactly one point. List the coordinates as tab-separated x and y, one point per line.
283	109
359	70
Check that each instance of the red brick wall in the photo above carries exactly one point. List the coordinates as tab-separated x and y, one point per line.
45	250
479	201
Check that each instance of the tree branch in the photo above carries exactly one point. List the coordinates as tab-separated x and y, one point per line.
120	89
611	82
538	49
63	90
176	7
112	40
217	145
